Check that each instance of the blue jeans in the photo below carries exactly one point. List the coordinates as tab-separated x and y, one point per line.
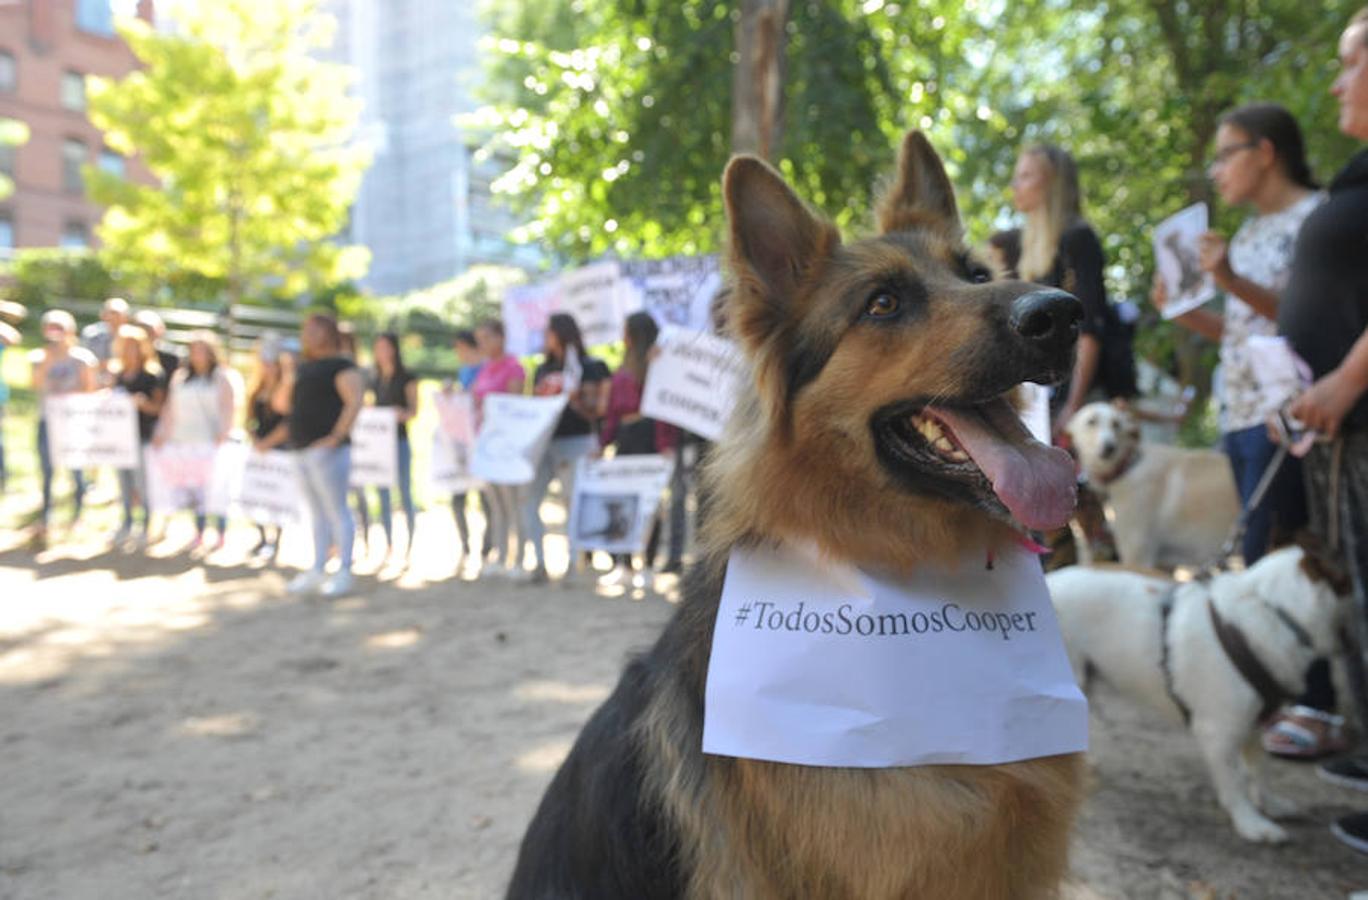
562	453
405	494
45	464
1250	452
324	472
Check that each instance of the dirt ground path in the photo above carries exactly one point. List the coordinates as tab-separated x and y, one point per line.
177	730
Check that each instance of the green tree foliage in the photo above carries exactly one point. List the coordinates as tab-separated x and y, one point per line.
247	134
46	276
617	111
618	114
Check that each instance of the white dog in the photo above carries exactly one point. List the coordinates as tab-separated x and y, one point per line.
1169	506
1177	647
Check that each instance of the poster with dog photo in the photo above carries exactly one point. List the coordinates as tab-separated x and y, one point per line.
616	500
1175	252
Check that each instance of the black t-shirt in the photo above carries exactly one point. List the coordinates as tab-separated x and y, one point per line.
315	404
145	383
265	419
1078	269
170	362
1324	309
571	423
392	392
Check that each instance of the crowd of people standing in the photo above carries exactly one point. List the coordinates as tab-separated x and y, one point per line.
305	393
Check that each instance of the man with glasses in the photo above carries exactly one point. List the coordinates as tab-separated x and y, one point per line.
1324	314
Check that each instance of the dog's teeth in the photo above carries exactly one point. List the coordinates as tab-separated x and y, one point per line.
929	428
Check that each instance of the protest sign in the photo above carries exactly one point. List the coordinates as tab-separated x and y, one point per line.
455	416
513	436
452	441
526	310
591	295
693	382
375	447
92	430
1175	253
449	466
819	663
263	487
615	501
676	291
181	476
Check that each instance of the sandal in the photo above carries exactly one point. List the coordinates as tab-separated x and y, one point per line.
1300	732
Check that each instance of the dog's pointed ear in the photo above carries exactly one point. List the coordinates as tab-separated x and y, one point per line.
776	242
921	195
777	245
773	233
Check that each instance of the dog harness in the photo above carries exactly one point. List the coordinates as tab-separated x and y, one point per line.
1237	650
1254	672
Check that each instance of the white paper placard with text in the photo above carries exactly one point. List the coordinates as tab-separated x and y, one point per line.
87	431
693	382
513	436
822	664
375	447
616	500
1175	254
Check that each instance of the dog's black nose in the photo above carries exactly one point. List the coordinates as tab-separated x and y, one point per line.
1047	318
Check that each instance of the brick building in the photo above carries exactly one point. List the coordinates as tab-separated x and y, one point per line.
47	47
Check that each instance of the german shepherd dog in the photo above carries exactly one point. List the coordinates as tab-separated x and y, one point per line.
880	426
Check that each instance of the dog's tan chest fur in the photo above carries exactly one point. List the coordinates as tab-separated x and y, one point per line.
948	832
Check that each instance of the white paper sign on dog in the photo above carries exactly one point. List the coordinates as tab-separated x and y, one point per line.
822	664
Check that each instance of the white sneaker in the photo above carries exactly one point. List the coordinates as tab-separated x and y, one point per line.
496	570
306	582
614	578
338	585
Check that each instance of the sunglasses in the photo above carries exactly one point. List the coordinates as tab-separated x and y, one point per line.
1223	155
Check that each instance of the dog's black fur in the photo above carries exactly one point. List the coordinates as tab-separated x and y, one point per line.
603	782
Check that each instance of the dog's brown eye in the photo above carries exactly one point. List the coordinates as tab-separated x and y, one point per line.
980	275
881	306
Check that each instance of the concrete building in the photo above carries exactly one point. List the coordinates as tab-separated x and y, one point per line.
425	208
47	47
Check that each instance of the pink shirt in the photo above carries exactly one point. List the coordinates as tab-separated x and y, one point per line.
624	399
497	376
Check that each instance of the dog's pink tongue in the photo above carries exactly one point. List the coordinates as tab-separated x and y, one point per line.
1035	482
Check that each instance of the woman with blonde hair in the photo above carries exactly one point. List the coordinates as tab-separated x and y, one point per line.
59	367
138	373
199	412
1059	248
268	403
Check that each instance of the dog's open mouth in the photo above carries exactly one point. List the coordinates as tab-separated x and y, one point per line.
980	453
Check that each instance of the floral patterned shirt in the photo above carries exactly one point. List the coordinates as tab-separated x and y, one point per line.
1262	252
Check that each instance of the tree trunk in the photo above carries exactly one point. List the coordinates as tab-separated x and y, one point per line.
758	80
